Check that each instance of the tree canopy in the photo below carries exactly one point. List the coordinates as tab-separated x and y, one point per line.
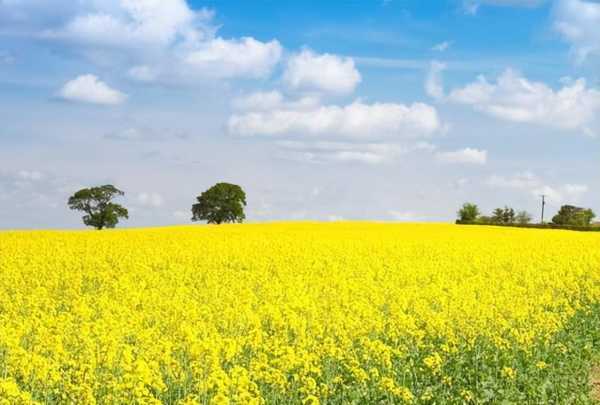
504	215
96	203
574	216
221	203
468	213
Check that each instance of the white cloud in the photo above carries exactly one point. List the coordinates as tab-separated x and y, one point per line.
467	155
578	22
136	23
512	97
166	39
442	46
434	85
323	72
357	120
153	200
271	114
89	89
245	57
535	187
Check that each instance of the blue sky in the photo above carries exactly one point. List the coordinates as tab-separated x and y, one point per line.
384	110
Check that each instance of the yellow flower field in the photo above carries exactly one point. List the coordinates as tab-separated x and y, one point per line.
298	313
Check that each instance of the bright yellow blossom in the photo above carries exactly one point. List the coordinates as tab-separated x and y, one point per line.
294	312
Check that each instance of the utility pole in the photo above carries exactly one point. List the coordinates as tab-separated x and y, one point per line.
543	205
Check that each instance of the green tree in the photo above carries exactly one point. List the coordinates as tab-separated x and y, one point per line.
509	215
468	213
574	216
498	216
96	203
523	218
504	215
221	203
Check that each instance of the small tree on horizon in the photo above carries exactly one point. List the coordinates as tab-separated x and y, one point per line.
504	215
96	203
498	216
469	212
221	203
574	216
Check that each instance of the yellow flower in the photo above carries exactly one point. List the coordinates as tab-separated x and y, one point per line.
220	399
466	395
509	372
434	362
259	313
311	400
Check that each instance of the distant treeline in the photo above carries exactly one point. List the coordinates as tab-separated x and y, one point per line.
569	217
591	228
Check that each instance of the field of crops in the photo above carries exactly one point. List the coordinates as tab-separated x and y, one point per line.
299	313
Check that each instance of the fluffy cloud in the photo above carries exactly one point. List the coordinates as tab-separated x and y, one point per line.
434	86
514	98
246	57
89	89
357	120
323	72
467	155
578	22
350	133
533	185
135	23
165	39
